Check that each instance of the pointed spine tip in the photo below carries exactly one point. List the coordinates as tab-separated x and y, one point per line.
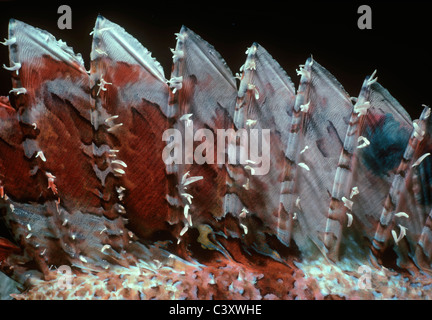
12	24
426	112
184	30
370	80
100	19
251	51
183	33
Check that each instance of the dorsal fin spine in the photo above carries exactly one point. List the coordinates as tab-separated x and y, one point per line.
423	253
242	101
292	153
244	95
337	211
176	111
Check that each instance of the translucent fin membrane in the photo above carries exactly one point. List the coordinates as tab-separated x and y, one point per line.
324	126
203	95
264	104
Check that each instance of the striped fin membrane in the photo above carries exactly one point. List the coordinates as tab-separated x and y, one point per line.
264	102
325	120
202	91
130	115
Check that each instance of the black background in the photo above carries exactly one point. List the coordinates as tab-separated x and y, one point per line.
397	46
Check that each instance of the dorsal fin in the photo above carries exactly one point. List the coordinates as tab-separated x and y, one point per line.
378	122
84	173
386	130
131	114
400	207
203	76
421	186
53	110
52	97
289	194
263	112
112	41
203	94
326	118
